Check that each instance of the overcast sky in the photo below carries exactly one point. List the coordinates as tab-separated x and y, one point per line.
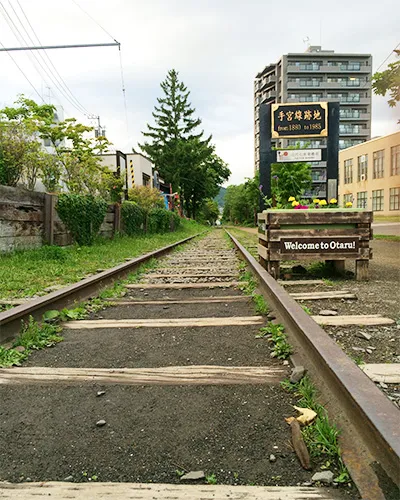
217	46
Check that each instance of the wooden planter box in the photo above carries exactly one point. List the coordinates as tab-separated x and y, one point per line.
315	234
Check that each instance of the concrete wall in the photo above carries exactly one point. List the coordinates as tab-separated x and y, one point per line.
385	183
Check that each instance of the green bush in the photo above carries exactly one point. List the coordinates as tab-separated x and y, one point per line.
175	221
133	218
82	215
158	221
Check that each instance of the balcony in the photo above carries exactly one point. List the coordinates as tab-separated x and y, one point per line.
353	131
267	96
267	82
302	85
307	68
355	116
305	99
340	68
349	100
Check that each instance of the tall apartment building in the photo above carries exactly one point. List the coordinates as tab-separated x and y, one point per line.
313	76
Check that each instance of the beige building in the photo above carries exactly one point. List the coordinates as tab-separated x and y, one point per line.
369	175
134	167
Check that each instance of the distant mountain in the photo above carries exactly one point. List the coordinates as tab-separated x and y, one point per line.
220	197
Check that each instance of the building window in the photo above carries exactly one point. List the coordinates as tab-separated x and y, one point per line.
394	198
378	170
362	199
348	198
348	171
395	164
362	168
146	180
377	200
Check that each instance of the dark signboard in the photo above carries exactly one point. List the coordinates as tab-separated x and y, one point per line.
299	120
319	245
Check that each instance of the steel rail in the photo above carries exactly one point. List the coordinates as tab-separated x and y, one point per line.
369	422
10	320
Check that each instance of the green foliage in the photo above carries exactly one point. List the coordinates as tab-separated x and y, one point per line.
82	215
37	336
112	186
289	179
158	221
388	81
209	211
260	304
281	348
307	310
241	202
176	221
181	154
146	197
211	479
10	357
133	218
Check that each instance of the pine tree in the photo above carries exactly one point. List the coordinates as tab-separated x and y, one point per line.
178	149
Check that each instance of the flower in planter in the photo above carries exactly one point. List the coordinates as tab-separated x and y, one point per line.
292	198
301	207
322	203
349	204
295	203
316	201
333	201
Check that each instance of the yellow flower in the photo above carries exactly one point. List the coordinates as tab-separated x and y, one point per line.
295	203
333	201
316	201
322	202
292	198
349	204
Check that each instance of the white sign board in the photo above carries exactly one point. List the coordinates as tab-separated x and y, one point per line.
289	155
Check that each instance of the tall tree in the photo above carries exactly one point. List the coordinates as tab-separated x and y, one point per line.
389	81
181	153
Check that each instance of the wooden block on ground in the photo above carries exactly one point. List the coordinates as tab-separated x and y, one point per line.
163	323
323	295
192	275
180	286
365	320
199	300
300	282
168	375
148	491
389	373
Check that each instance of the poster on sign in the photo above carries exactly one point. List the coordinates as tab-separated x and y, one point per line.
319	245
294	155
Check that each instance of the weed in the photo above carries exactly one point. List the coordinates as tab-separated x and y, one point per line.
260	304
358	360
281	348
179	473
387	237
10	357
37	336
328	282
321	436
307	310
288	386
211	479
323	270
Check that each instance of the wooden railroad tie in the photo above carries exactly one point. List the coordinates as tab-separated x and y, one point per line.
192	275
163	323
180	286
199	300
389	373
323	295
364	320
300	282
168	375
150	491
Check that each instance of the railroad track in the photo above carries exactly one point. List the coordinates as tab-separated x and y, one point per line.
171	379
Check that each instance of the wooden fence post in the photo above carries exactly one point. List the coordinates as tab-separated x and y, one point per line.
117	219
49	208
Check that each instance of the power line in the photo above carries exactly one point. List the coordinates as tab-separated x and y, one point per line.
94	20
123	90
27	79
50	61
20	37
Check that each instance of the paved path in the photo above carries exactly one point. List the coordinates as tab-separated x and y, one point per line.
392	228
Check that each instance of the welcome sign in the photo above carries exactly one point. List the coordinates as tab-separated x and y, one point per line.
319	245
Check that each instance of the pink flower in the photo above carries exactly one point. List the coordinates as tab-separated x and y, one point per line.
301	207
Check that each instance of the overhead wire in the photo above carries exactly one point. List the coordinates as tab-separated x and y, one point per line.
46	70
60	78
26	78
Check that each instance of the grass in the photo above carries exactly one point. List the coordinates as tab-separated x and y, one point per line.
33	336
26	273
387	237
275	333
248	240
386	218
321	436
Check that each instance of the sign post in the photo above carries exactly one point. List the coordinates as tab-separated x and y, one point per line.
299	121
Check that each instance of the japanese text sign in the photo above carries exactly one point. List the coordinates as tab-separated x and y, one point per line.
299	120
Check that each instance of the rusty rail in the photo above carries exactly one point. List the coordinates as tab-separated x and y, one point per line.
10	320
369	422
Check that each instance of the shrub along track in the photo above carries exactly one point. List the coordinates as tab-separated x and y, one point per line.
170	379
